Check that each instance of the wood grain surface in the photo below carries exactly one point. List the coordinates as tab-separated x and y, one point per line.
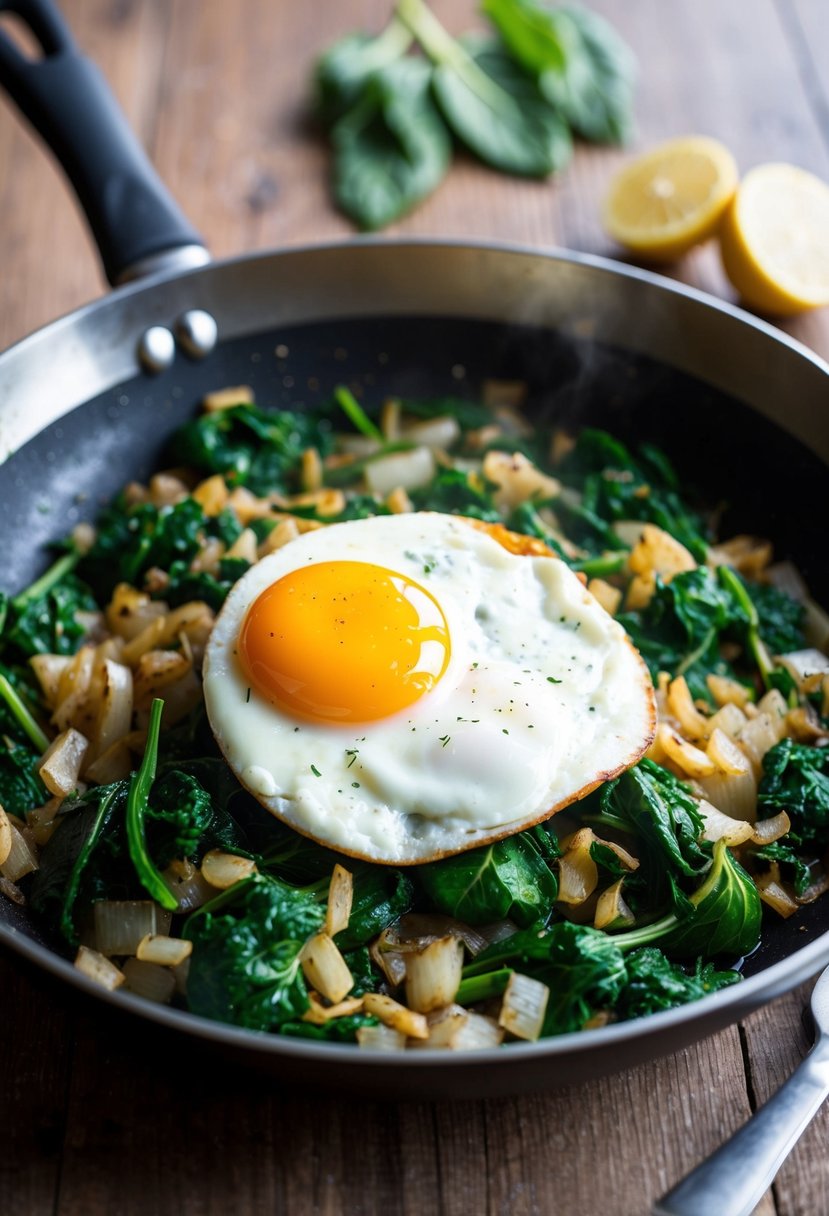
99	1115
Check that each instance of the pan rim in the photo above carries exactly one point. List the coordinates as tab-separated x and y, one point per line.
728	1003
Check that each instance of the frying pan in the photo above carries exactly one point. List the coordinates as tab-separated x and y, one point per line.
741	407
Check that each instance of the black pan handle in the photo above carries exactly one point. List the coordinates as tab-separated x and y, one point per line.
138	227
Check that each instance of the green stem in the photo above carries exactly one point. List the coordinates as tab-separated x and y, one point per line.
389	45
352	409
444	50
476	988
21	713
599	567
137	801
756	645
646	934
47	581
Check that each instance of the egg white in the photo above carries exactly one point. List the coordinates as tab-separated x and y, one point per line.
543	699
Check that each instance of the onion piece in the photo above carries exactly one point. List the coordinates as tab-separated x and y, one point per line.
444	1025
130	611
726	691
226	398
578	874
112	765
380	1038
149	981
611	910
517	479
773	893
12	892
60	765
757	737
523	1007
688	758
408	470
99	969
477	1033
730	719
433	974
223	870
325	968
21	858
5	837
433	433
114	717
766	831
190	888
120	925
735	796
608	596
340	897
318	1014
49	668
657	552
398	1017
163	950
804	664
681	705
727	755
211	494
718	826
391	962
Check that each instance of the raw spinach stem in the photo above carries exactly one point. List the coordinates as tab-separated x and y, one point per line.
442	49
21	712
48	580
351	407
137	801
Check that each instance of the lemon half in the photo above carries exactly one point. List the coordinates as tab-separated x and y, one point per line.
775	240
670	199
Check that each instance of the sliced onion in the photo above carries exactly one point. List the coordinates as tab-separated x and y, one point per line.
340	897
432	432
611	910
188	885
21	858
163	950
689	759
12	892
49	668
433	974
766	831
325	969
727	755
477	1033
60	765
5	837
211	494
41	821
444	1025
726	691
130	611
524	1006
734	796
608	596
757	737
380	1038
681	705
398	1017
718	826
729	718
578	875
517	479
98	968
804	664
114	716
773	893
408	470
120	925
149	981
223	870
391	962
318	1014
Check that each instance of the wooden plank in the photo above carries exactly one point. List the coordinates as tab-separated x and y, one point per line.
776	1041
34	1070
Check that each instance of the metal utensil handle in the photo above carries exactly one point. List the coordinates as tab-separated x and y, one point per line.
133	218
732	1180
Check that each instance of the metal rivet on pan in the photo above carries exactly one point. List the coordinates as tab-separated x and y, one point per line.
197	332
157	348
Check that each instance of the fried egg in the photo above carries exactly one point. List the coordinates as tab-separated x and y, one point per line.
405	687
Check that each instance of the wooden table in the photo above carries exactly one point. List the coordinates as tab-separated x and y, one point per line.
101	1116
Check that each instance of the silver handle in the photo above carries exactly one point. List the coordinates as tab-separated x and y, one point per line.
732	1180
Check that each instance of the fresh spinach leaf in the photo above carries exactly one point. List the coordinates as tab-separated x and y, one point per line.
343	71
392	148
47	622
381	896
455	493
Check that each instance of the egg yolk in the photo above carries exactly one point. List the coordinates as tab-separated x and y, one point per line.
344	642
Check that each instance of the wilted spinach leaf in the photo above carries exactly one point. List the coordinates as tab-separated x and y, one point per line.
453	492
245	964
796	780
655	983
507	879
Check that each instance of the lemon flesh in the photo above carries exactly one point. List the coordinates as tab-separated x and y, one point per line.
672	198
775	240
